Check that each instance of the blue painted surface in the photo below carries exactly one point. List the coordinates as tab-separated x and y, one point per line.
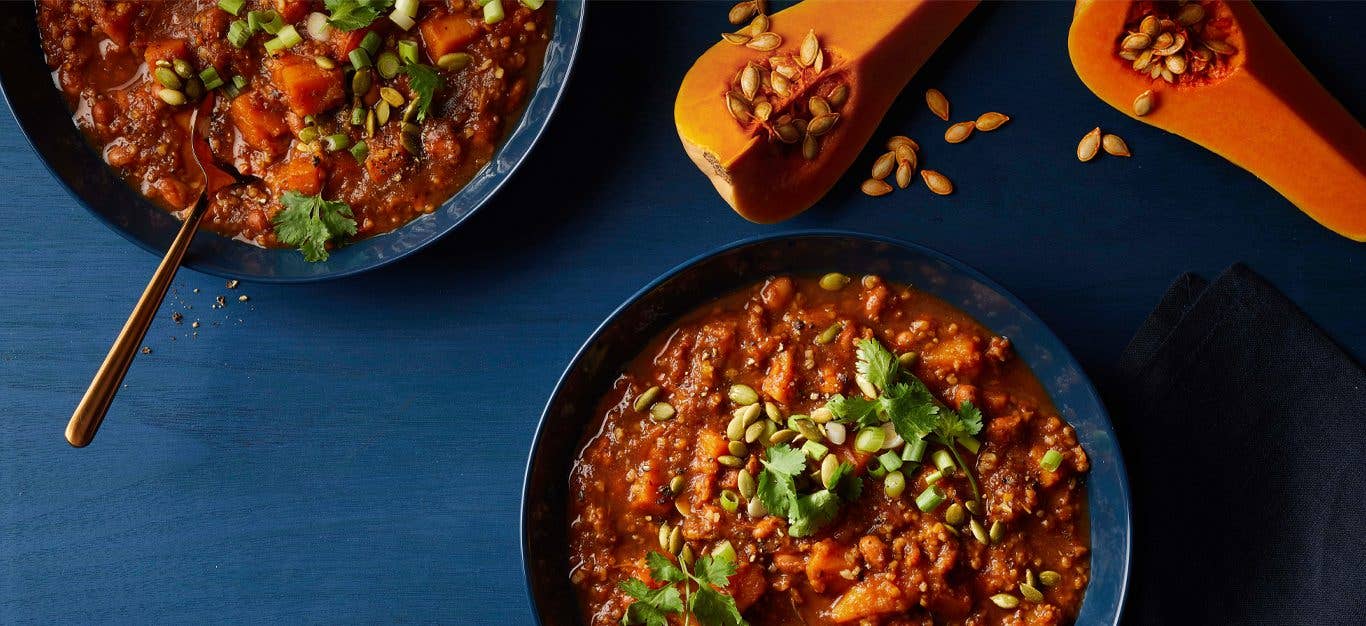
352	450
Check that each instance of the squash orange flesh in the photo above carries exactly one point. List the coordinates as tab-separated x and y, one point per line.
1267	114
873	46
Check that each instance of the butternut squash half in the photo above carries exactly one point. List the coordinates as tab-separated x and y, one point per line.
774	126
1219	76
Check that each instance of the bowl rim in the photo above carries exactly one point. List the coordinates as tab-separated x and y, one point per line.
532	133
1065	355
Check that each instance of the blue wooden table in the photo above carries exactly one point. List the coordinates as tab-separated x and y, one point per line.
353	450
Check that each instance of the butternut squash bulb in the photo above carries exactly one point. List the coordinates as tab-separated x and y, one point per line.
1214	72
775	113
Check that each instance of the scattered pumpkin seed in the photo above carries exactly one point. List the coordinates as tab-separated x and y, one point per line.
902	140
646	398
991	120
744	481
1143	104
978	532
875	187
1089	146
907	359
1115	145
660	411
839	95
974	507
834	281
818	105
780	84
758	25
1050	578
788	133
939	105
686	555
182	68
955	514
676	539
958	133
808	429
937	182
676	484
194	88
828	335
738	109
391	95
822	415
742	12
1005	601
763	110
765	42
453	61
785	435
1029	578
167	77
754	432
735	428
772	411
1221	47
729	460
738	449
683	507
809	147
665	531
883	166
410	141
829	465
735	38
749	81
998	530
750	413
903	175
382	111
906	154
809	49
742	395
360	82
171	97
1031	593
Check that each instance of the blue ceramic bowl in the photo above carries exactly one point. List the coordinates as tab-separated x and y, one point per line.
46	121
544	529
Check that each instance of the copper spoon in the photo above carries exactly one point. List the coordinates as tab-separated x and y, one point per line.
93	406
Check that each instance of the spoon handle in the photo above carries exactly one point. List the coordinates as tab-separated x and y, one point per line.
93	406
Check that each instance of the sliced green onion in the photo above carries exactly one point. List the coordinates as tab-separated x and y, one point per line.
890	460
336	142
1051	460
387	65
360	151
493	12
357	115
453	61
239	81
231	6
406	7
942	459
933	477
481	3
914	451
730	501
930	498
894	484
971	444
308	134
360	59
371	43
877	471
869	439
724	551
239	33
288	38
816	451
267	20
407	51
210	78
402	21
533	4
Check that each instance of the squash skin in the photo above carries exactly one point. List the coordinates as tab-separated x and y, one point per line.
874	46
1269	116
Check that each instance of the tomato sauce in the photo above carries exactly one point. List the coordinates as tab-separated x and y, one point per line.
881	561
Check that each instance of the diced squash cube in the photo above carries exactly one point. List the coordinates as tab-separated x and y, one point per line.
299	174
443	34
309	88
258	126
645	490
869	598
164	50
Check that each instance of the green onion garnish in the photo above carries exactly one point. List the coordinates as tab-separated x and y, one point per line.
287	38
209	76
730	501
493	12
407	51
890	460
1051	460
336	142
231	6
934	477
914	451
724	551
942	459
360	59
930	498
371	43
387	65
815	450
267	20
971	444
239	33
869	439
360	151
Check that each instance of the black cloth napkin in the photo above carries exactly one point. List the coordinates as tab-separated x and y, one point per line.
1244	430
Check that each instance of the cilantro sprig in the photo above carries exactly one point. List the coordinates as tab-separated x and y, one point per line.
652	607
309	222
351	15
425	80
805	513
905	401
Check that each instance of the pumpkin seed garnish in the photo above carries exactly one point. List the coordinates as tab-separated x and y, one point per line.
1143	104
785	435
902	140
834	281
1113	144
829	465
991	120
937	182
903	174
662	411
742	395
828	335
171	97
1050	578
810	47
744	481
755	431
978	532
735	428
167	77
958	133
738	449
1031	593
646	398
676	484
1005	601
1089	146
765	42
997	531
729	460
676	539
939	105
875	187
665	531
883	166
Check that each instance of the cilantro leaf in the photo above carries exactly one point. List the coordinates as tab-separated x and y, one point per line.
971	418
911	408
661	568
652	606
786	459
714	570
852	409
876	363
425	80
812	512
350	15
714	608
776	489
309	222
846	485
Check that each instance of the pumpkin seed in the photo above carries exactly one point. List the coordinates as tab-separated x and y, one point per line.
182	68
875	187
665	531
391	95
676	539
737	107
738	449
749	81
683	507
907	359
735	38
834	281
1136	41
453	61
836	433
997	531
820	61
1174	47
646	398
729	460
754	432
167	77
1189	14
742	395
171	97
771	410
750	413
762	110
974	507
958	133
937	182
829	465
978	532
1141	63
1148	26
742	12
818	105
902	140
809	147
676	484
939	105
903	175
759	25
808	429
194	88
735	428
765	42
822	415
866	386
904	154
1143	104
800	124
785	435
744	481
810	47
1115	145
1089	145
838	95
382	110
780	84
360	82
1050	578
1029	578
788	133
882	167
991	120
1221	47
1167	75
1176	64
660	411
1128	55
410	112
828	335
955	514
1163	40
686	556
1005	601
1031	593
